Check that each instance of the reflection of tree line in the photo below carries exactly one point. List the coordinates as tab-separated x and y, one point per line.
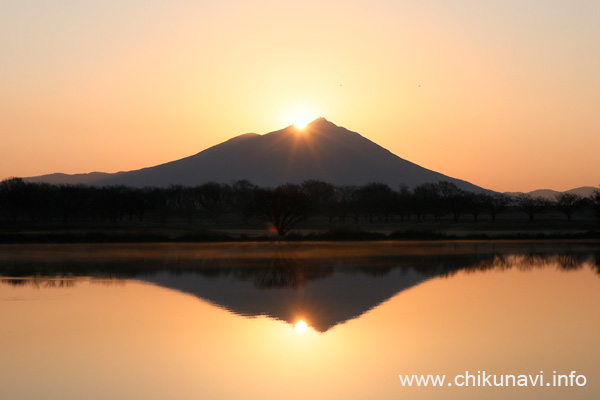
42	282
58	282
287	272
530	261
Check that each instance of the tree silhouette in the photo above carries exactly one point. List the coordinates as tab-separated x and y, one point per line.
38	200
284	207
213	198
452	198
495	204
321	197
476	203
242	201
531	205
568	203
376	199
345	198
12	197
404	202
596	202
426	201
439	198
30	203
182	199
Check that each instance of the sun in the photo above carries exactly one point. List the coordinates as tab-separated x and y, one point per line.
300	116
300	326
300	121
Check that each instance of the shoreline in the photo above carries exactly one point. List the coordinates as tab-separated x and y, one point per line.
205	236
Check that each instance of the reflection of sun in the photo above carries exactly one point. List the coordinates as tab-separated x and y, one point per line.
300	326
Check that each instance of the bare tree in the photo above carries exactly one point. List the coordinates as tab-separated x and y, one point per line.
568	203
495	204
183	199
596	201
427	200
213	198
321	196
404	202
284	207
376	199
475	203
531	205
452	198
71	200
12	196
345	200
242	193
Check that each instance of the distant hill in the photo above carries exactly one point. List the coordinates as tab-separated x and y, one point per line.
322	150
584	191
59	178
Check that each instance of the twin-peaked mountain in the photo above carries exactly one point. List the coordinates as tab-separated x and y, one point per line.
321	150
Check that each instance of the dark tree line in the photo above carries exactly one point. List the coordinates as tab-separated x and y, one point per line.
282	207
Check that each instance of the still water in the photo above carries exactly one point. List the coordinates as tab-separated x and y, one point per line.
299	320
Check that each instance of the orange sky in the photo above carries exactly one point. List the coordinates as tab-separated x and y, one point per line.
502	94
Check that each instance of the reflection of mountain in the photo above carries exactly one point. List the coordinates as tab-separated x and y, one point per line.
325	291
325	296
323	302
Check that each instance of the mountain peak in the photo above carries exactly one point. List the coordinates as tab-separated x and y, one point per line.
321	123
322	151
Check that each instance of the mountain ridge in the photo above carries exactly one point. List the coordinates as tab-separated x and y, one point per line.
550	194
321	151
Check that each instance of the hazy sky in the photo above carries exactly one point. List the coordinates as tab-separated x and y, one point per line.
504	94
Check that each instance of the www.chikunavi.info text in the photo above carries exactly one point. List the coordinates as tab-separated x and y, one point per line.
484	379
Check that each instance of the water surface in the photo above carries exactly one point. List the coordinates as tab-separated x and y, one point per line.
218	321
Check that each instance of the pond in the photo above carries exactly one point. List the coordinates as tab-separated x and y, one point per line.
493	320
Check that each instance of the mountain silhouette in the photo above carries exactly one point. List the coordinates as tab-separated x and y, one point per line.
321	150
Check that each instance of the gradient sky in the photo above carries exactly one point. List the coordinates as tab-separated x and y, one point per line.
504	94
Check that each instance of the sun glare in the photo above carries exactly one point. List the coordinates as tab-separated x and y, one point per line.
300	326
300	116
301	121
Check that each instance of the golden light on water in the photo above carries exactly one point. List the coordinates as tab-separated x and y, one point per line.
146	327
300	326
